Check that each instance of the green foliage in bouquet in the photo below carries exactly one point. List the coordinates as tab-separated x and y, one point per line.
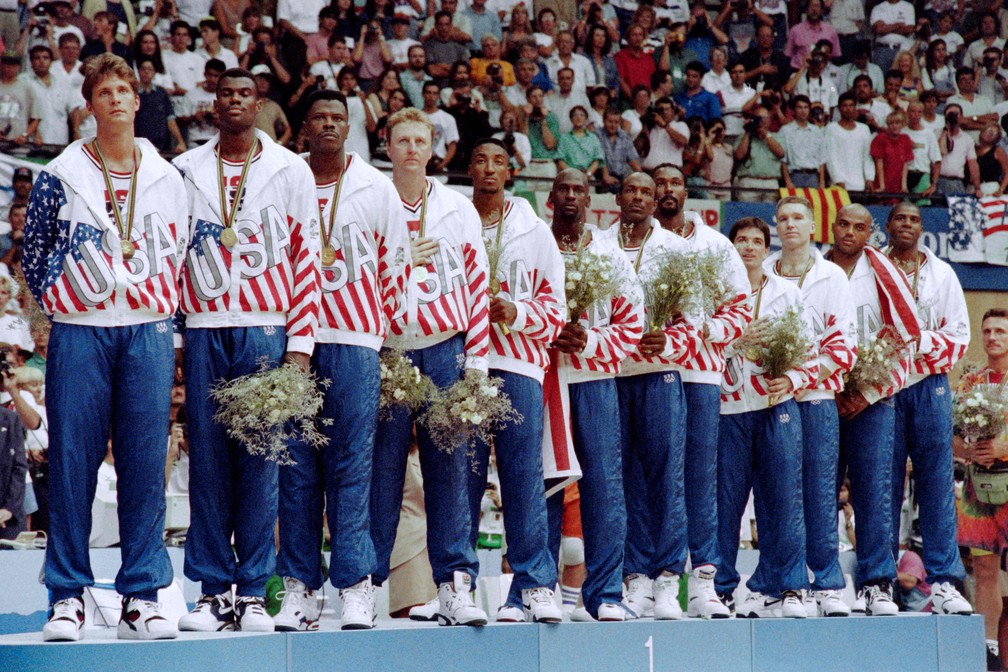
779	342
981	412
468	411
876	360
712	269
402	384
589	278
671	288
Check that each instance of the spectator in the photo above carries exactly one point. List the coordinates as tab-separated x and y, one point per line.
990	78
382	11
105	26
737	101
530	52
546	29
758	156
442	49
13	470
379	139
667	135
595	13
184	66
562	101
492	92
804	36
348	20
191	11
459	28
640	103
10	22
21	185
977	111
694	99
845	519
146	45
741	21
518	31
39	29
697	157
162	15
564	57
317	43
597	53
661	85
155	119
371	53
491	56
329	69
848	19
914	591
621	156
461	83
875	109
722	163
381	91
922	177
53	102
543	130
262	50
600	101
911	86
579	148
959	159
400	43
519	148
271	119
68	68
893	23
860	65
484	22
717	79
992	162
953	41
939	74
122	11
19	117
15	239
415	76
804	146
198	114
361	118
702	37
654	35
766	67
893	152
848	148
446	135
811	81
988	38
634	66
210	31
296	21
673	57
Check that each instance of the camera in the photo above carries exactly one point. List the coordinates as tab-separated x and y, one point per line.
509	140
774	98
752	126
952	118
816	115
536	115
463	99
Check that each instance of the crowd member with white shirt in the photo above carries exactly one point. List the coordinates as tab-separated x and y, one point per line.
211	47
68	67
54	101
959	173
922	176
445	131
565	57
924	406
884	307
825	293
198	115
184	66
804	146
893	24
565	98
848	148
737	101
718	78
668	137
848	18
988	38
760	448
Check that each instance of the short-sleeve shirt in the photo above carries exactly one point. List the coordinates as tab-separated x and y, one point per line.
895	153
580	152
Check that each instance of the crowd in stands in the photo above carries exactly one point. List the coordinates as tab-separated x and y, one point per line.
878	97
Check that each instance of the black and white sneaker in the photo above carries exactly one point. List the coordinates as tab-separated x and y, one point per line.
879	599
212	613
251	616
141	619
728	600
66	621
758	605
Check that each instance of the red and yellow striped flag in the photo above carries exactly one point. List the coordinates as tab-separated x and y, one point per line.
825	204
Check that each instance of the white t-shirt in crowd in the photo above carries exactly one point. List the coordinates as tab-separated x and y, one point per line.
445	132
663	149
892	13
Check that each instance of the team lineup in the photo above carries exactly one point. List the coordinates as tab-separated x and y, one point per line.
241	252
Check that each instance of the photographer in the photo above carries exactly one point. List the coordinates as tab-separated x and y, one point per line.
262	50
492	91
766	67
741	21
543	130
371	53
758	157
811	80
160	16
958	156
516	142
990	78
666	133
702	36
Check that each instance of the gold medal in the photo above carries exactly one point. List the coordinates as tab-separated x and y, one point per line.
328	255
125	227
421	273
128	249
328	251
228	237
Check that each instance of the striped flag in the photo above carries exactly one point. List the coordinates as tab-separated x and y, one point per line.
560	464
825	204
896	300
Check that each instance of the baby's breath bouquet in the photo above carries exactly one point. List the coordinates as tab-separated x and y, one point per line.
468	411
402	384
876	360
980	412
268	409
779	343
31	312
712	269
672	288
590	278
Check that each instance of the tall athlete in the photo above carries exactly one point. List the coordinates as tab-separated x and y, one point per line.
826	295
701	377
593	346
882	303
526	314
760	448
653	413
106	227
924	406
364	255
250	293
444	328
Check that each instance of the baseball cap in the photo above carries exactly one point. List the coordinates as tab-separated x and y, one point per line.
22	173
261	69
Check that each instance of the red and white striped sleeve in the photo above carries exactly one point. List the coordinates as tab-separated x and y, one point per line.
477	338
542	317
302	218
945	344
392	236
610	344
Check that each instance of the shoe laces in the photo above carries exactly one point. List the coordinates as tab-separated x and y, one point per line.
877	593
540	596
251	605
637	588
206	602
791	596
143	605
356	599
65	609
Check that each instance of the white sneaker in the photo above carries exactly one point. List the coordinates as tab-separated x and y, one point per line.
638	596
251	616
425	612
859	606
830	603
581	615
456	604
141	619
878	600
666	598
757	605
357	606
792	604
66	621
509	613
703	600
540	607
299	609
212	613
610	612
945	599
811	608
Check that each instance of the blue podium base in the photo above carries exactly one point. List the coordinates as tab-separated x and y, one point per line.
905	643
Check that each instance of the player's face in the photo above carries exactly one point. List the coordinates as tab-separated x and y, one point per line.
113	101
410	146
327	126
995	336
670	191
794	226
751	246
489	168
636	199
904	227
237	103
570	195
851	232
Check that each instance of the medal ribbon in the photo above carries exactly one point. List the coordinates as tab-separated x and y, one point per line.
640	250
423	211
227	218
801	278
916	269
759	297
126	228
327	233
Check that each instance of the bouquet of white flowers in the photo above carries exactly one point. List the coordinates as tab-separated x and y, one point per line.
468	411
672	288
980	413
712	269
876	360
779	343
590	278
402	384
268	409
